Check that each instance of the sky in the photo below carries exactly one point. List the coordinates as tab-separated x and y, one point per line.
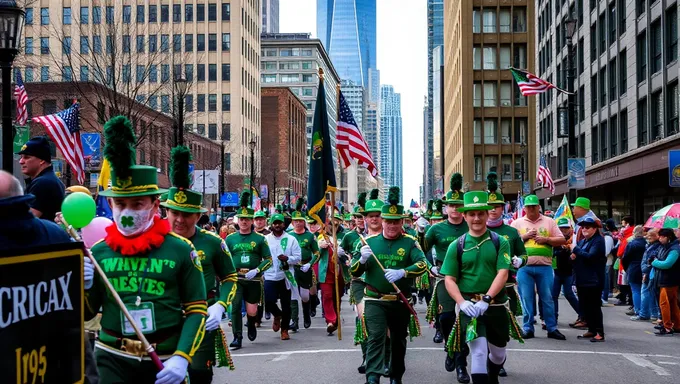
402	61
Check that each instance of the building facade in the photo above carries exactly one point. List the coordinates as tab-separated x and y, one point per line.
270	16
284	163
486	119
437	127
391	155
347	29
140	48
435	38
625	75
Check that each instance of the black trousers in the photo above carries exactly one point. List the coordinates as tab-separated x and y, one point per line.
273	291
589	299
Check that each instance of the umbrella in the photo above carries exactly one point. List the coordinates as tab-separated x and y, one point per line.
666	217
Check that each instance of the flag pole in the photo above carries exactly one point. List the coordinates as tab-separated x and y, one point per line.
338	269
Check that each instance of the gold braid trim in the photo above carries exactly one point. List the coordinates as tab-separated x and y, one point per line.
174	204
135	189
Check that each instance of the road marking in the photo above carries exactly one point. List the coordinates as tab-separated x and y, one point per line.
668	363
439	349
642	362
282	357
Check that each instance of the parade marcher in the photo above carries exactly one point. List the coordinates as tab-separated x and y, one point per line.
437	212
36	164
476	269
304	275
408	225
279	280
403	261
251	256
184	207
156	272
314	300
260	223
442	308
327	273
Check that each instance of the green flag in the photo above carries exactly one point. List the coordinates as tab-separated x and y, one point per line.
321	170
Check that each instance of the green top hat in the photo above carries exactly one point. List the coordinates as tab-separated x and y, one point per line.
180	197
262	214
429	210
244	211
531	200
437	213
127	178
495	197
309	220
408	215
455	195
347	217
374	204
298	213
582	202
392	210
163	197
475	201
361	204
563	222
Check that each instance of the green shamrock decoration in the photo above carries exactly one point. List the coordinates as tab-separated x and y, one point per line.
127	221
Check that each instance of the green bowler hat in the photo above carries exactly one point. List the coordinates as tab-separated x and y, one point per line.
392	210
244	211
127	178
180	197
374	204
455	194
531	200
475	201
582	202
495	197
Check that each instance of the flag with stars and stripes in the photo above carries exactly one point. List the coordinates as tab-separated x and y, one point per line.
530	84
63	127
22	98
351	143
519	207
544	175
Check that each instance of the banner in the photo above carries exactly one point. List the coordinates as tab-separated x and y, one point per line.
91	150
264	191
206	181
674	168
21	136
564	210
576	173
41	318
229	199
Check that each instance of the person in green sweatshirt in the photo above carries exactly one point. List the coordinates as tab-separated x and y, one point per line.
157	273
184	207
251	256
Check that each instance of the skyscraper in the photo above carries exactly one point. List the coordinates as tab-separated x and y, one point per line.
270	16
347	29
435	38
390	134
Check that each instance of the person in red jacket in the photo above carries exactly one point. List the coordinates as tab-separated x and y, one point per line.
625	295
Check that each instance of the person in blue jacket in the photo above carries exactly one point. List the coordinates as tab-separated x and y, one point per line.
668	280
632	259
649	301
589	270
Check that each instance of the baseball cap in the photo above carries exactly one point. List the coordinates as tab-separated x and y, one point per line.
563	222
531	200
277	217
38	147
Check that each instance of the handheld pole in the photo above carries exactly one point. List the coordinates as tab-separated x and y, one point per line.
336	265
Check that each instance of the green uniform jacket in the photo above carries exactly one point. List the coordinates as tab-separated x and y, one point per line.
217	266
411	231
169	281
401	253
249	252
514	239
440	236
309	247
480	264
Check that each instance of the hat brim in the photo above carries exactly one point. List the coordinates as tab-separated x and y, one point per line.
448	202
472	207
182	209
110	193
389	216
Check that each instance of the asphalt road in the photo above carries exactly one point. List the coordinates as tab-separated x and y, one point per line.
631	354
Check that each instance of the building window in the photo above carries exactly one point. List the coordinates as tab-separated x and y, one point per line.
140	14
518	167
643	134
593	43
200	43
140	73
226	104
200	103
612	81
603	34
506	61
28	17
504	20
67	74
67	16
44	74
613	136
201	129
189	103
579	55
490	132
226	42
227	162
489	21
212	72
212	12
519	100
672	109
641	57
177	13
212	42
476	21
165	13
84	73
127	14
582	145
200	72
189	72
672	34
506	131
212	102
66	45
640	7
212	131
226	72
506	94
28	46
593	94
153	73
153	102
490	94
623	130
622	16
177	43
109	14
623	72
44	16
520	131
657	116
290	78
200	12
477	58
476	94
126	73
520	56
165	43
226	11
603	141
153	43
490	60
593	145
477	132
519	19
612	23
656	44
126	44
140	43
581	104
96	15
478	168
490	164
165	73
44	45
153	13
268	78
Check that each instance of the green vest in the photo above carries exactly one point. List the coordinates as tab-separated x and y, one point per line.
217	266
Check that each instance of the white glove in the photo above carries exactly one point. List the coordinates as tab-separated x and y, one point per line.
174	371
365	254
215	313
305	268
516	262
434	270
421	223
393	275
481	307
88	273
251	274
469	309
323	244
341	252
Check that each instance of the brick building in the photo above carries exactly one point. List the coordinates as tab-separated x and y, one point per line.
284	143
154	130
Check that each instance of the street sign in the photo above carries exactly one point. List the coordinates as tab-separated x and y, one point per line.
264	191
94	177
206	181
576	173
229	199
91	150
674	168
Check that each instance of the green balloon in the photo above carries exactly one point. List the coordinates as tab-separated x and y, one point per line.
78	209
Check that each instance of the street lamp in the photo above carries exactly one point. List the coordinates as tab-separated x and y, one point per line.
11	23
570	26
181	87
252	145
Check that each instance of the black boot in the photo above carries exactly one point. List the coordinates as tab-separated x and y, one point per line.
362	367
462	375
294	326
493	370
449	363
480	378
307	320
237	343
388	356
373	380
394	380
438	337
314	301
252	330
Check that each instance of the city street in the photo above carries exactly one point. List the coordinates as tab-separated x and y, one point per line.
631	354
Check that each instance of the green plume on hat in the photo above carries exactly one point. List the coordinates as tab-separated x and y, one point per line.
279	208
374	194
299	204
429	204
180	157
492	182
438	205
456	182
393	196
119	149
361	201
245	199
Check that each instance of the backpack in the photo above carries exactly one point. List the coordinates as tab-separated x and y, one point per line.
460	242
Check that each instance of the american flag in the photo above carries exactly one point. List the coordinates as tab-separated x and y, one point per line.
22	98
544	175
530	84
64	130
519	207
351	143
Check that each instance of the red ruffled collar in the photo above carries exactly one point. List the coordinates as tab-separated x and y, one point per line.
140	244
